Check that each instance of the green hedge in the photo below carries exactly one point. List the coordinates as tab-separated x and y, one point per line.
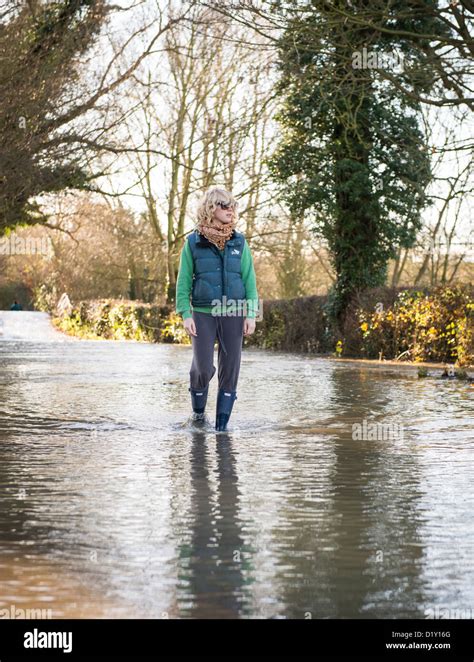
411	325
294	325
436	325
124	320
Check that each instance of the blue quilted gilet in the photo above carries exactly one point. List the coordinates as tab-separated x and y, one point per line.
216	276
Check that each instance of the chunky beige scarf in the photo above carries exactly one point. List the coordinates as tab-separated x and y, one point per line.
217	232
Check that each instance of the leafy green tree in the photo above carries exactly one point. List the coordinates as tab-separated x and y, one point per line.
352	155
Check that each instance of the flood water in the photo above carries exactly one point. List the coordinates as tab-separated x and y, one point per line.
113	505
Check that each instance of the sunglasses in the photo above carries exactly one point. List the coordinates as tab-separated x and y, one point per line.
226	206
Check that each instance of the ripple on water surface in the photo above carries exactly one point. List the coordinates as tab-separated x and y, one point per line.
113	503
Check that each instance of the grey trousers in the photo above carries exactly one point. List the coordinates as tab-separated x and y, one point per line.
230	332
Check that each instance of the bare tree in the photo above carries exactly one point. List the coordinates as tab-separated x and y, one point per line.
51	118
204	121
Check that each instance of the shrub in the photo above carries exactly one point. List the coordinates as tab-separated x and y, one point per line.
421	326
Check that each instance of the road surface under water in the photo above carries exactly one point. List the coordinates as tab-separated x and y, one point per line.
113	505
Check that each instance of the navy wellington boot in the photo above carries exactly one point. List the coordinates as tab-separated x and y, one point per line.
225	402
198	401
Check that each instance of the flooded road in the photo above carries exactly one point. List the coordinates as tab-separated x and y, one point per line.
112	505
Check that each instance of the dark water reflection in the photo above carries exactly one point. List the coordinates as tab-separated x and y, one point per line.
113	505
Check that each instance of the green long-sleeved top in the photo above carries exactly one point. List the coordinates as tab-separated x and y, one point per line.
184	283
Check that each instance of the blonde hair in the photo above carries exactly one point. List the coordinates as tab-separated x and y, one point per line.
208	204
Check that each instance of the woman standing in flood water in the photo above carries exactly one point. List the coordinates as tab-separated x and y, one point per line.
216	294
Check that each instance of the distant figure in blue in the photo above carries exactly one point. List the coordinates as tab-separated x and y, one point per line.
16	306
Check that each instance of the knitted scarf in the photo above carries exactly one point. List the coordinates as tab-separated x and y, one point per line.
217	232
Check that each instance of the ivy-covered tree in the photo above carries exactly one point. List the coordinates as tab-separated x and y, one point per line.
352	154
